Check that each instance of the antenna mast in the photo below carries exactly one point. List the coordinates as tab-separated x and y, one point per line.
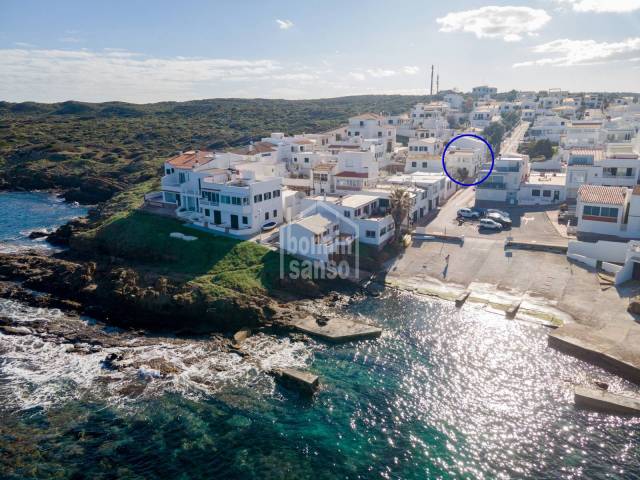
431	88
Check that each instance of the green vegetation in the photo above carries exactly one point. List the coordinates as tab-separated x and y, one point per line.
95	150
510	120
494	133
537	148
220	266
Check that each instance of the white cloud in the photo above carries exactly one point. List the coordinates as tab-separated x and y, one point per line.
565	52
602	6
411	70
113	74
284	24
508	23
357	76
380	73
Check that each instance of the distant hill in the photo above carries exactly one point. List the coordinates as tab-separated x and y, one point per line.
93	150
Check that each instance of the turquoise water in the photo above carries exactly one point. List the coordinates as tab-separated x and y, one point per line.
444	393
23	212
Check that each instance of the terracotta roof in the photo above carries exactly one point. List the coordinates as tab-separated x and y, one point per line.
352	174
368	116
602	194
324	167
303	141
257	147
191	158
597	153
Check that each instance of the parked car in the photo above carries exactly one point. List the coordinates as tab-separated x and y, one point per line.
501	219
499	212
489	224
481	211
468	213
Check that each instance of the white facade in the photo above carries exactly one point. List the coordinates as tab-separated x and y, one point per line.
503	185
548	127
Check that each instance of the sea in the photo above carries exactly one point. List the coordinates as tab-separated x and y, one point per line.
444	393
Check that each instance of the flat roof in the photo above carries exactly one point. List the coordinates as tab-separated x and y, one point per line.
357	200
541	180
317	223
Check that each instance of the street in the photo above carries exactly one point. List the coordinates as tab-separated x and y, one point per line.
510	144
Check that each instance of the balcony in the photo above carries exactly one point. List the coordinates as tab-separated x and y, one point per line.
492	186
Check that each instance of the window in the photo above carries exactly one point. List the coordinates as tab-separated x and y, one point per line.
267	196
182	177
592	211
306	159
535	193
276	193
546	193
266	215
347	213
226	199
257	198
245	220
371	234
275	213
414	164
236	200
609	212
207	212
424	164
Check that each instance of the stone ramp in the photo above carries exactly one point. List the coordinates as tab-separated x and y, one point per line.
597	399
598	348
337	330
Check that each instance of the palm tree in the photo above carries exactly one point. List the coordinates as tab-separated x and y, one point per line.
400	205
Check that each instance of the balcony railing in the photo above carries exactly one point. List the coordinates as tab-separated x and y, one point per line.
492	185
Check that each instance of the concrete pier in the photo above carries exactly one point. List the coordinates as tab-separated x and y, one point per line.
337	329
304	382
599	349
598	399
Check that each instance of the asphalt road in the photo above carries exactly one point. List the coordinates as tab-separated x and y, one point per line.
510	144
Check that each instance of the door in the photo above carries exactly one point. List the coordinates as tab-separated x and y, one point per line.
234	222
217	217
636	271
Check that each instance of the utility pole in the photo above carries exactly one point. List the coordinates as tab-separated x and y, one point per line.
431	88
438	83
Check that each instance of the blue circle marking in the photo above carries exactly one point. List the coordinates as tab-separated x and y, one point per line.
444	164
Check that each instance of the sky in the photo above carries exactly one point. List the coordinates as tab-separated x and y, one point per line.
148	51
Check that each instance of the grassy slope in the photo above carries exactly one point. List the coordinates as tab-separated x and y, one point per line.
220	266
111	146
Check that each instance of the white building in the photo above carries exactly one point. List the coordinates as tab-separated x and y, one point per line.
608	212
455	100
619	165
483	91
238	204
583	133
503	185
543	189
424	155
548	127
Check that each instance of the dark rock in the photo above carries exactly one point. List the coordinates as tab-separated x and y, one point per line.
38	234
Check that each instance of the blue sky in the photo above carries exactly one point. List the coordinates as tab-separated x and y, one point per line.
145	51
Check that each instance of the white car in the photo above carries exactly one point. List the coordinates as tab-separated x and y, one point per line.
501	219
489	224
468	213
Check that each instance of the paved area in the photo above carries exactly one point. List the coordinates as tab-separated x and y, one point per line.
510	144
529	223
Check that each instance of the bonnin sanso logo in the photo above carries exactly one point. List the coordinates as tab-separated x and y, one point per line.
321	243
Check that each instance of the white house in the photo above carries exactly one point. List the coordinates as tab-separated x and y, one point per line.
237	203
543	189
548	127
483	91
608	212
583	133
368	212
619	165
424	155
503	185
316	237
455	100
